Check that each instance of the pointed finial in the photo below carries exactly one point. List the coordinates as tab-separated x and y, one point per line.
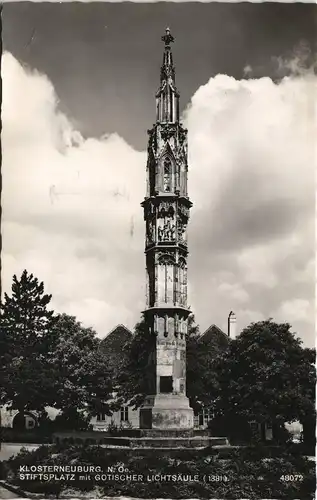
167	38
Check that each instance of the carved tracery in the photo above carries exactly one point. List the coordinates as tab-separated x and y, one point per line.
166	274
167	175
182	282
168	131
150	223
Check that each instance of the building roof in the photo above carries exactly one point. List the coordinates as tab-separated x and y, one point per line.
118	331
214	338
113	346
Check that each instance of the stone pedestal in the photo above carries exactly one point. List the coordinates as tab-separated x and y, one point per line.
166	412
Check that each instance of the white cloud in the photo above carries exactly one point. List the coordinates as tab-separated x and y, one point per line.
234	291
295	310
71	207
72	215
252	165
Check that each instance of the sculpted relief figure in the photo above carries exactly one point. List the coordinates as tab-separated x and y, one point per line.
151	231
182	134
166	209
160	233
166	231
152	209
166	222
182	229
170	231
150	223
183	234
183	211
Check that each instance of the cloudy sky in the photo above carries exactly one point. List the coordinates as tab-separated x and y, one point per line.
78	96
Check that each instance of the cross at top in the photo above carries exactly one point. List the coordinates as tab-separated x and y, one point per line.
167	38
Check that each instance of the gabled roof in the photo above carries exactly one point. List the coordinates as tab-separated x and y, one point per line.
214	336
118	331
113	346
213	329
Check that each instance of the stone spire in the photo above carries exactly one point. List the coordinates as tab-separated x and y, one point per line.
167	69
167	97
166	214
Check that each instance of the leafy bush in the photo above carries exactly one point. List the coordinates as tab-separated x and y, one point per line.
112	428
236	428
3	470
9	435
71	420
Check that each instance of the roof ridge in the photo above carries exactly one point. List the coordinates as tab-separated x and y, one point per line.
213	325
115	328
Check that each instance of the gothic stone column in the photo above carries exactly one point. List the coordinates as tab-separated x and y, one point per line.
166	213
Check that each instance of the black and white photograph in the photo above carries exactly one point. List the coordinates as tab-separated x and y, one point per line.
157	314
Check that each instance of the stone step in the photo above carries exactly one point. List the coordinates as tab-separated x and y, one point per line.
155	439
168	433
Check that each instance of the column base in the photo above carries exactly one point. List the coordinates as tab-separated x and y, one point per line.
166	411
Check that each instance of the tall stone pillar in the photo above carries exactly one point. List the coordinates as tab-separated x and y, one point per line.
166	214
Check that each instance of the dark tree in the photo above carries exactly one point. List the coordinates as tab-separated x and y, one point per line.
202	353
82	378
49	360
266	375
25	325
137	367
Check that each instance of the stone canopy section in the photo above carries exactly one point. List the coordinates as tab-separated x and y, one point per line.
166	214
